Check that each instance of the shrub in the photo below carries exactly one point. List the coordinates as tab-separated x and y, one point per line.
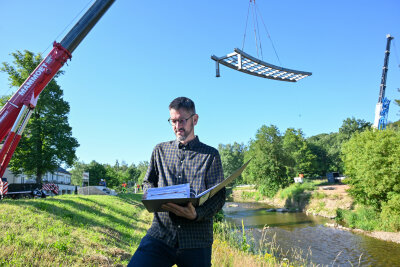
364	217
391	213
371	161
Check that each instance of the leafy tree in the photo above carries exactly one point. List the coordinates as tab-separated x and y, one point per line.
397	101
351	126
133	173
232	157
115	176
142	168
300	157
97	172
77	172
371	161
267	169
47	142
326	147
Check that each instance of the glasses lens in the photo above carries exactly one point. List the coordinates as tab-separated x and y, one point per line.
182	121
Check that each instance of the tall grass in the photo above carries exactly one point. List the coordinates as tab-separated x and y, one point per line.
363	217
294	190
237	247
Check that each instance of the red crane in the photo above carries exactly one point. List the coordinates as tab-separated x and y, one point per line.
16	112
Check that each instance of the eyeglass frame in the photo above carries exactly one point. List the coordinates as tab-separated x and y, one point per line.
182	121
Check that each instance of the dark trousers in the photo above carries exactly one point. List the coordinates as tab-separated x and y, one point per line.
154	253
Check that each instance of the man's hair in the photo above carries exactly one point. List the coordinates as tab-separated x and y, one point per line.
183	102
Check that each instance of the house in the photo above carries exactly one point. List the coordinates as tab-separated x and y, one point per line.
60	177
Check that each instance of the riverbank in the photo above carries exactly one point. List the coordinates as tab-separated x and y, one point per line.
91	230
324	201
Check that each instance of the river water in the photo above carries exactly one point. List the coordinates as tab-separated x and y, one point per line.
300	234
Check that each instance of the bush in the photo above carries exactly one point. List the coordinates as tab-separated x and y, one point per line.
371	161
390	215
294	190
364	217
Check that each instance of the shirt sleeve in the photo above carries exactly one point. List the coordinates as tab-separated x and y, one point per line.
151	178
215	175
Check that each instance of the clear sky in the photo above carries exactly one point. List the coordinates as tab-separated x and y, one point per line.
143	54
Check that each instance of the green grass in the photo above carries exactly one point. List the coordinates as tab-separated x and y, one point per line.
294	190
76	230
365	218
251	195
71	230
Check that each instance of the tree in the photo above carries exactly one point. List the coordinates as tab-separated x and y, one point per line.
97	172
371	161
299	155
77	172
142	168
232	157
351	126
47	141
266	169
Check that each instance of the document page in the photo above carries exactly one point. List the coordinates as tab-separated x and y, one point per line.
169	192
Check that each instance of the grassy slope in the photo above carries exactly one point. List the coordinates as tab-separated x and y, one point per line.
76	230
71	230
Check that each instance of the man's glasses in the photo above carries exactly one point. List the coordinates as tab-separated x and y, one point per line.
181	121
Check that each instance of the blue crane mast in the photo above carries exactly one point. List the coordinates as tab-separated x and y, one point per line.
382	107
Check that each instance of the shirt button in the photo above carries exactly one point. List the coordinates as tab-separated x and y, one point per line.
181	161
179	176
179	226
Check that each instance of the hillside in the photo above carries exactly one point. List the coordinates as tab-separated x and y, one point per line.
71	230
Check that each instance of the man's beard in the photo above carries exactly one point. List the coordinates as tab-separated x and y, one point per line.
183	136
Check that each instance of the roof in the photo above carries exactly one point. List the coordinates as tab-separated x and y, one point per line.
62	170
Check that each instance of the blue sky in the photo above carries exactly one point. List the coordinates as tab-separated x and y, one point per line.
143	54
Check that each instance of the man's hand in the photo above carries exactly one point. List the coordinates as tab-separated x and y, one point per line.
188	211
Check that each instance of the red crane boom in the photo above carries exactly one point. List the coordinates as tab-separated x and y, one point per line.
16	112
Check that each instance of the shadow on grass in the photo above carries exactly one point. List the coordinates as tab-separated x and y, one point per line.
75	219
298	200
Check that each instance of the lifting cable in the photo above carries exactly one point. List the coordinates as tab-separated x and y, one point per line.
269	36
257	36
68	25
245	29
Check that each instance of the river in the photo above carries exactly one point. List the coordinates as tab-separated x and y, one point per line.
300	234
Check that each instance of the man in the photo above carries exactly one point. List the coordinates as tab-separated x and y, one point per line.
184	234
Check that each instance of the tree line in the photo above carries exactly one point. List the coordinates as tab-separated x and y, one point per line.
369	158
114	175
276	157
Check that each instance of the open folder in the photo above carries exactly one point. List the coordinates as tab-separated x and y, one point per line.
181	194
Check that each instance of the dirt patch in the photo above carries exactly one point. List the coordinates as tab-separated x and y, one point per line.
327	199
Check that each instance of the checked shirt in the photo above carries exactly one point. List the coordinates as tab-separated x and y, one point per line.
195	163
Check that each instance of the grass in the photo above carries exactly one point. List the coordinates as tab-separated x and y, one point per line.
363	217
76	230
236	247
71	230
294	190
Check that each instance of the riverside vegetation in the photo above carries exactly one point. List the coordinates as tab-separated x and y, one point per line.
76	230
332	201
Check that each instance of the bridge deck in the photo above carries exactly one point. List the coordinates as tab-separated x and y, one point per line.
239	60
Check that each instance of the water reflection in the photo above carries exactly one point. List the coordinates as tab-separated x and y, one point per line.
328	246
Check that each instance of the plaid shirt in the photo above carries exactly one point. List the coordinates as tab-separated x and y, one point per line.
198	164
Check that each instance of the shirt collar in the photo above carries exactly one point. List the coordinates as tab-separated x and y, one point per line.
192	144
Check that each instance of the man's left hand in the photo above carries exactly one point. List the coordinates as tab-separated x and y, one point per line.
188	211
